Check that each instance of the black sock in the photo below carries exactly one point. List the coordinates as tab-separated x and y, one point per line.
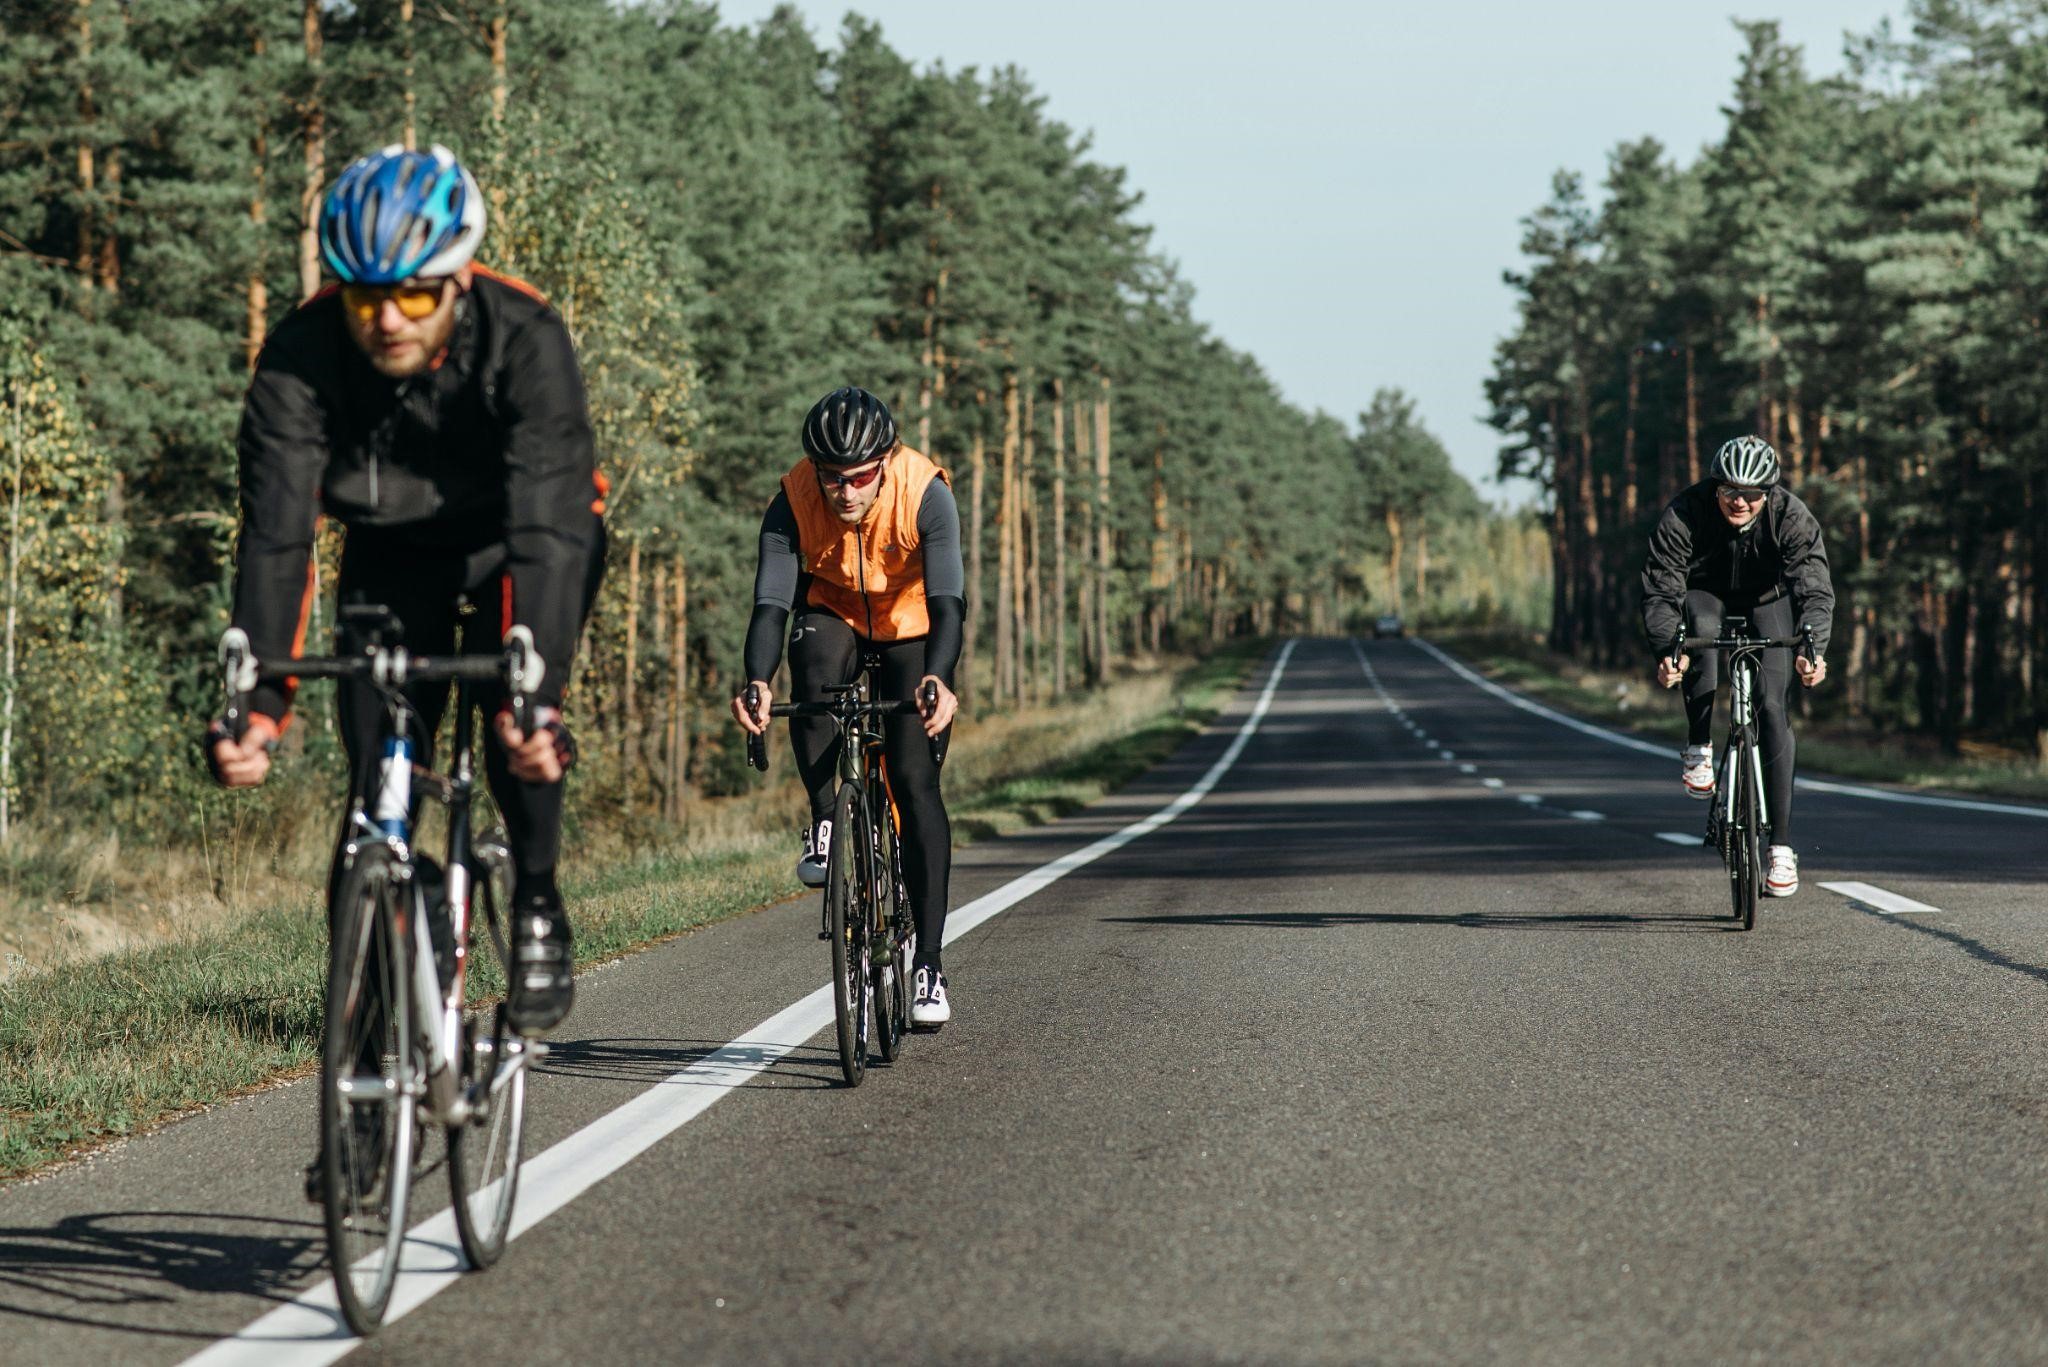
926	960
536	889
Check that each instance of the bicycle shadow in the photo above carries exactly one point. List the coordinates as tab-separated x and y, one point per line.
653	1062
1976	949
1467	920
107	1270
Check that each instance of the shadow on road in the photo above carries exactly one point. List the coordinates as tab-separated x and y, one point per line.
648	1062
109	1271
1976	949
1471	920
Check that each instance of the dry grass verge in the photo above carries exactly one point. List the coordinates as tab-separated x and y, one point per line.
204	1007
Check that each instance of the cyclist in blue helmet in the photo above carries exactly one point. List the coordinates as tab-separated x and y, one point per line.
436	410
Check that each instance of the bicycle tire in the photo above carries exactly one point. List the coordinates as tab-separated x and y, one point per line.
367	1119
1744	873
485	1152
891	994
846	919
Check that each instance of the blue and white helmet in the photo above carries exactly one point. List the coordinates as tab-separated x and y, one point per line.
1746	462
397	215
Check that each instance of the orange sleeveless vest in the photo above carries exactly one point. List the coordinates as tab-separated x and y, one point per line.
872	572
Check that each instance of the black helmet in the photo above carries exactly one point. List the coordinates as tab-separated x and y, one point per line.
848	427
1746	462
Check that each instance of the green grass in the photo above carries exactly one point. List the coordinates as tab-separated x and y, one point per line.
1635	702
98	1048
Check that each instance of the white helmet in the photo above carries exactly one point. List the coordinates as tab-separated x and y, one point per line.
1747	462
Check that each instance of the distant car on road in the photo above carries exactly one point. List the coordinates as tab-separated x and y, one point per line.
1388	624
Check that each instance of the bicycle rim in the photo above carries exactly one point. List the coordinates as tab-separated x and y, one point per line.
845	925
891	990
484	1155
1744	866
367	1101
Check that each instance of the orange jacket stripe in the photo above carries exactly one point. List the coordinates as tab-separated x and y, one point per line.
873	572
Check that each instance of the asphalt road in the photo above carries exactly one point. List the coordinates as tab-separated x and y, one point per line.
1412	1041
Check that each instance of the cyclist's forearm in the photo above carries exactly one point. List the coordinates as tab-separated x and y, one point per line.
942	647
766	631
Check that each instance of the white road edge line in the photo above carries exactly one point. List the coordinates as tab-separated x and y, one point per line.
1878	900
1817	785
308	1330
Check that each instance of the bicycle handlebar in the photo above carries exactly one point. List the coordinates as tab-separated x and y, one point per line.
1680	643
519	667
757	745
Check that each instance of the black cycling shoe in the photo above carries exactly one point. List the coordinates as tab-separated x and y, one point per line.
543	966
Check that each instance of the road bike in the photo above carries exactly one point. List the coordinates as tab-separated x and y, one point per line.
1739	819
867	916
398	1048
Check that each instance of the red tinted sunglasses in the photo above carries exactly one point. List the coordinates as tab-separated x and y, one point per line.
832	479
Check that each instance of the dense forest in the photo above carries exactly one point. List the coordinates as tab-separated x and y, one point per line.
1857	272
732	221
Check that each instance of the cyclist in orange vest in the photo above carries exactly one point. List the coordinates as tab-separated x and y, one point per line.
863	545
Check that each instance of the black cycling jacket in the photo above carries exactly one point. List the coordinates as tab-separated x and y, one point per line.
488	454
1779	553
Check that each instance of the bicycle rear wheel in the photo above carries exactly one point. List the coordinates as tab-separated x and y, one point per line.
846	922
484	1154
367	1097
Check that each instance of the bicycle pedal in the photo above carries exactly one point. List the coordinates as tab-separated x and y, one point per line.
824	934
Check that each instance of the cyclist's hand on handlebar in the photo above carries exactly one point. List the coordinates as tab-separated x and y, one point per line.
1811	672
1670	671
938	713
240	763
542	755
754	723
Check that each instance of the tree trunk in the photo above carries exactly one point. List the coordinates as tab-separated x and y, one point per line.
977	465
256	319
88	246
1393	515
498	78
1162	548
1421	568
1692	419
411	136
1102	534
1084	446
1034	572
1059	538
313	133
629	717
679	693
1006	516
9	675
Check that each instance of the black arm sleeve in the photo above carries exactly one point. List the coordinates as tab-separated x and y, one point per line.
282	450
1805	558
776	576
551	530
942	647
945	579
1664	578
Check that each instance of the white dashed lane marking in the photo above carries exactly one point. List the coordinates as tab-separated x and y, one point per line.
1674	838
1877	899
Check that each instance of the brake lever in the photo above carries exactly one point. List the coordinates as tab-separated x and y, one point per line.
929	696
757	745
238	676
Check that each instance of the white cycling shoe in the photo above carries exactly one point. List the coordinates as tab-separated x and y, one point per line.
929	1008
1699	770
810	870
1783	878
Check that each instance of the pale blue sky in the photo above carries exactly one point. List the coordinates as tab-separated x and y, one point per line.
1343	182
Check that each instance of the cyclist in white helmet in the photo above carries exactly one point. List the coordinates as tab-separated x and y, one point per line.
1739	543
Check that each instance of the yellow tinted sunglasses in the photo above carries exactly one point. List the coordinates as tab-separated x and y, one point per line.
415	301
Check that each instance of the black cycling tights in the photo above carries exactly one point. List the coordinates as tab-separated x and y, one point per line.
1703	614
423	589
823	652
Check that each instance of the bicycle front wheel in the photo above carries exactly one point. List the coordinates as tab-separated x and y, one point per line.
846	924
1745	850
889	964
484	1153
367	1098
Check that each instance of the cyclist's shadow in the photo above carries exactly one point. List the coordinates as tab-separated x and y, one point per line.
652	1062
107	1271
